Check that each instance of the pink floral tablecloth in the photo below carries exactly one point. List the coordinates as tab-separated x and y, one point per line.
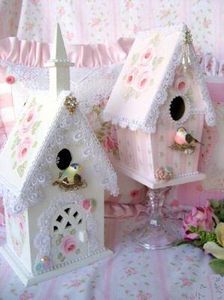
131	273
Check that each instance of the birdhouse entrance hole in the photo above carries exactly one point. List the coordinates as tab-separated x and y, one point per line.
63	159
177	108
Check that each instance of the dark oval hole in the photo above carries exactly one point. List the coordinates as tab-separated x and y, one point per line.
177	108
63	159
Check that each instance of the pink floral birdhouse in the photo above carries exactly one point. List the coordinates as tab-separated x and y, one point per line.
159	104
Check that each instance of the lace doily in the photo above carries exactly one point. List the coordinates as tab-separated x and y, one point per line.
39	176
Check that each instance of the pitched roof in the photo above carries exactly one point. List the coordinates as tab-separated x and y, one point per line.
30	151
141	88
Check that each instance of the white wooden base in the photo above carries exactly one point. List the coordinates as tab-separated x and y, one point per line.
29	279
151	182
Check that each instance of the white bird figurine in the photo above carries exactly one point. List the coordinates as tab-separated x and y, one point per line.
182	137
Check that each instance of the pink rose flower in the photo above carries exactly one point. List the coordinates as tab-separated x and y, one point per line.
146	57
68	244
110	143
24	147
131	76
181	84
28	120
10	79
200	218
2	214
142	80
144	296
86	204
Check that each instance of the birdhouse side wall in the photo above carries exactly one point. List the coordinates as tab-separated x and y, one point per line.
76	223
135	151
182	163
17	237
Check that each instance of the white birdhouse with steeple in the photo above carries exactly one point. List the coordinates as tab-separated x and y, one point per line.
160	103
52	178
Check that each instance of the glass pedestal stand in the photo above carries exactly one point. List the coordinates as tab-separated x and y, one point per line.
158	232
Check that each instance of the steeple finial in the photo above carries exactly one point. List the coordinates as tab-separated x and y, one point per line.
58	65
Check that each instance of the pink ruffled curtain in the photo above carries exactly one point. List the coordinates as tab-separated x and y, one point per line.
102	22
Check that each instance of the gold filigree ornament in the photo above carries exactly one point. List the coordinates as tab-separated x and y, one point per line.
186	55
71	104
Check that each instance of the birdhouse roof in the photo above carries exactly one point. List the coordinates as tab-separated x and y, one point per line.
141	88
29	154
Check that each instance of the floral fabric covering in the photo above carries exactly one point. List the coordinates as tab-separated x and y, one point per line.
131	273
95	21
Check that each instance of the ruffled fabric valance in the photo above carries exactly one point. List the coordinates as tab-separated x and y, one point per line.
36	54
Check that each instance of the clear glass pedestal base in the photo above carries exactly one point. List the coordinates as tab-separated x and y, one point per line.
158	232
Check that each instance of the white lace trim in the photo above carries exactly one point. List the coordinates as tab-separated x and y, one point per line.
42	240
95	87
149	124
90	85
38	175
210	112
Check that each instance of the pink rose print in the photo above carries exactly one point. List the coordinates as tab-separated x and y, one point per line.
186	282
181	84
131	76
26	296
135	196
24	147
146	57
130	271
86	204
2	214
10	79
110	143
199	217
21	221
68	244
142	80
35	2
28	120
143	296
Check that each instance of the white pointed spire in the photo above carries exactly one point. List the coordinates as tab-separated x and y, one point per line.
58	66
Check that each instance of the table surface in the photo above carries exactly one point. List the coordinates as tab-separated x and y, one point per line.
130	273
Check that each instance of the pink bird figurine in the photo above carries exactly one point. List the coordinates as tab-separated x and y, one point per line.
182	137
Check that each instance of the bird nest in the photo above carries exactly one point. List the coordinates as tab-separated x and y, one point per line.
186	148
77	184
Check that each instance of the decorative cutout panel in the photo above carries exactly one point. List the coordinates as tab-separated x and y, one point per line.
68	233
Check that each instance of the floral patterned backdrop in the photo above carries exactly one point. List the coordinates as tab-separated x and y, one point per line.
96	21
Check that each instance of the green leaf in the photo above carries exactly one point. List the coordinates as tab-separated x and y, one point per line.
35	144
58	242
94	203
135	58
217	266
21	169
73	231
35	127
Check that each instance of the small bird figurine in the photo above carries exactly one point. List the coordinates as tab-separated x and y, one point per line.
182	137
71	174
